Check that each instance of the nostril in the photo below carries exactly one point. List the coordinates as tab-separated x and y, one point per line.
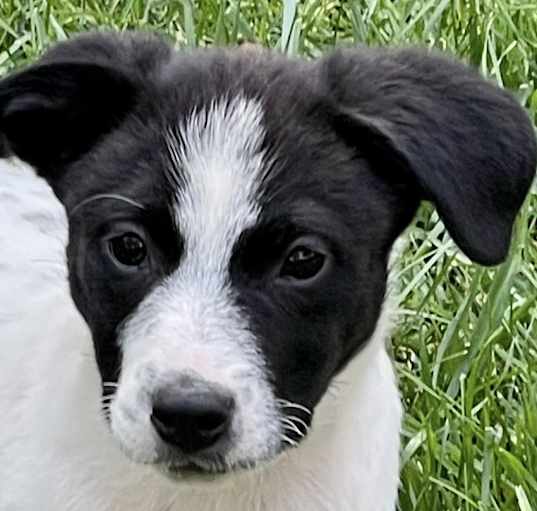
192	421
211	422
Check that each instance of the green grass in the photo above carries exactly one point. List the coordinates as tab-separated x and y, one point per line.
466	345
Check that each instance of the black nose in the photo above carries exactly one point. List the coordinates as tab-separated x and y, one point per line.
192	418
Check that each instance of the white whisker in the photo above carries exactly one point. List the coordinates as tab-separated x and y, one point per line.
101	196
293	430
288	440
292	426
298	420
289	404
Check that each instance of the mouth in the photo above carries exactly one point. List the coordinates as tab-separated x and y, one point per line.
204	473
189	473
240	452
209	468
213	471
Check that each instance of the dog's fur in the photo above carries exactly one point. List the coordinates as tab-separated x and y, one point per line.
223	162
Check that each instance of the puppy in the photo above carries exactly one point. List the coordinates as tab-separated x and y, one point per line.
216	338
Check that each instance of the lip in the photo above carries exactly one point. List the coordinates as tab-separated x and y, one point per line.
188	472
192	473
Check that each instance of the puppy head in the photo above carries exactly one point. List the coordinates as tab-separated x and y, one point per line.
231	217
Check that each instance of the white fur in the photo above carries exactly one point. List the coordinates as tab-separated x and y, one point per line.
190	324
57	454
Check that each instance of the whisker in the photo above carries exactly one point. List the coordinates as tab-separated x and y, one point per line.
289	404
298	420
291	426
101	196
288	428
286	439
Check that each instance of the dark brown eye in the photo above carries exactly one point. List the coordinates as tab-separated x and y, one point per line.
302	263
128	249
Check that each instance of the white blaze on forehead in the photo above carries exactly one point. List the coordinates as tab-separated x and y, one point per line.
221	163
190	323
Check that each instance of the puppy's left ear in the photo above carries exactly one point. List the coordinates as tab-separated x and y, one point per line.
463	143
52	113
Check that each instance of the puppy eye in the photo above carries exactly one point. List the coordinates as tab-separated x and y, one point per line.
128	249
302	263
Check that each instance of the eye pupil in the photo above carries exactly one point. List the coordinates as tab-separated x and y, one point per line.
302	263
129	249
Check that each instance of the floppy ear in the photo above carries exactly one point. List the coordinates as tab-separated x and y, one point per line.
461	142
52	113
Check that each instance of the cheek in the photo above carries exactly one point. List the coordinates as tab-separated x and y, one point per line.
307	335
104	299
303	361
301	340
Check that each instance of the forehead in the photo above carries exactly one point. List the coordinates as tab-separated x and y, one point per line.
230	167
222	140
217	164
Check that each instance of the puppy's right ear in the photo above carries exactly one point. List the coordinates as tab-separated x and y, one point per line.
50	114
440	128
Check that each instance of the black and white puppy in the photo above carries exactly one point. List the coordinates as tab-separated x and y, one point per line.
230	219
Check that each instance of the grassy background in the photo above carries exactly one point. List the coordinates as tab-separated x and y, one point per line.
466	346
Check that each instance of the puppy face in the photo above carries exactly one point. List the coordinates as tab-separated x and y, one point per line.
231	217
235	265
